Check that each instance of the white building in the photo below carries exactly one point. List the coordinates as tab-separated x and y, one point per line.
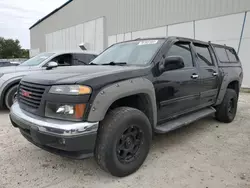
100	23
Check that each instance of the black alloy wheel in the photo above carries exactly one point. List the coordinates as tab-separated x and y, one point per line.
231	107
129	144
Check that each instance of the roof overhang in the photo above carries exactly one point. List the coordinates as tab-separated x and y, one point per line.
50	14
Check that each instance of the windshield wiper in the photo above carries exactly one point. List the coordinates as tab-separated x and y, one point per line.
115	63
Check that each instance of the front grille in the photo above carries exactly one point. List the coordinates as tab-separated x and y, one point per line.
30	94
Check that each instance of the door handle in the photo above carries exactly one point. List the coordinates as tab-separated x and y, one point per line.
195	76
215	73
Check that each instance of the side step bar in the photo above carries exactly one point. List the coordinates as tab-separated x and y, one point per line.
184	120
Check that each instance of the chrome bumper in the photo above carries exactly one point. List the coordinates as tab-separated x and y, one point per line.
51	126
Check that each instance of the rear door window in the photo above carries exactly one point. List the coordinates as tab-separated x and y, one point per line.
204	55
232	55
222	54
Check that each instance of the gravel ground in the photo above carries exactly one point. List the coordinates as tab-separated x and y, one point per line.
203	154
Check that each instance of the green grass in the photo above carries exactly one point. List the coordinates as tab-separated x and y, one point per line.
245	90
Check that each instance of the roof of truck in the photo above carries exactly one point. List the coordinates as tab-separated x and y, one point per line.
182	38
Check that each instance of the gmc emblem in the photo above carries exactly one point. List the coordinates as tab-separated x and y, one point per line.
26	93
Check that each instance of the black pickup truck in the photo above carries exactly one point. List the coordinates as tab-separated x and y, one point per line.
112	107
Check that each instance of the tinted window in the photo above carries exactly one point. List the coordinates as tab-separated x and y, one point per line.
204	56
63	60
83	59
183	50
222	55
232	55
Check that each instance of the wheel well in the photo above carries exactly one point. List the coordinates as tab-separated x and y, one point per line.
235	86
138	101
7	89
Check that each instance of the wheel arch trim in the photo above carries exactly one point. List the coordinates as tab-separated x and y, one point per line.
108	95
225	83
7	85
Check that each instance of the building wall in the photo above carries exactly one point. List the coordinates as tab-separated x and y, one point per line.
219	21
132	15
90	33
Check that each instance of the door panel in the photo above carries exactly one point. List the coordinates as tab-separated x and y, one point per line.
209	83
208	74
177	91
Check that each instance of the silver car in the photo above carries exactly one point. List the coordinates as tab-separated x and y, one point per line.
11	76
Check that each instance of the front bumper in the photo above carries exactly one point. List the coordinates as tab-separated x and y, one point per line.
71	139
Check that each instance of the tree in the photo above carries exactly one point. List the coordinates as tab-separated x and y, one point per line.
10	48
25	53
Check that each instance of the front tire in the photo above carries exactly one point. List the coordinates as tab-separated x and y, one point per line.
226	111
123	141
10	96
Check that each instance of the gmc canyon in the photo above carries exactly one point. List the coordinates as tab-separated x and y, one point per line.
112	107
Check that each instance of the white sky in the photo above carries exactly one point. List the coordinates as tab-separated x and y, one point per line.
16	16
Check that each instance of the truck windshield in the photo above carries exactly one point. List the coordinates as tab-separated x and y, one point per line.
37	60
138	52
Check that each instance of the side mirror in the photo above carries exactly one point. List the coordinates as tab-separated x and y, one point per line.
172	63
51	65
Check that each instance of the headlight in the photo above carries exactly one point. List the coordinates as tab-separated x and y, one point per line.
70	90
70	112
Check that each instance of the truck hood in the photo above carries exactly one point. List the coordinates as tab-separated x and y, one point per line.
13	69
83	74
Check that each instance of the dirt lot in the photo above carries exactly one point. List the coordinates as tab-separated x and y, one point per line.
204	154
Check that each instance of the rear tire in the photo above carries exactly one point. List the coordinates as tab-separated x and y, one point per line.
226	111
123	141
11	96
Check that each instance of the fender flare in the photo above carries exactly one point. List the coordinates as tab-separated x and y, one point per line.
225	82
108	95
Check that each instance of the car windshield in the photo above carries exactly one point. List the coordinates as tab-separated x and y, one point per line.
138	52
37	60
